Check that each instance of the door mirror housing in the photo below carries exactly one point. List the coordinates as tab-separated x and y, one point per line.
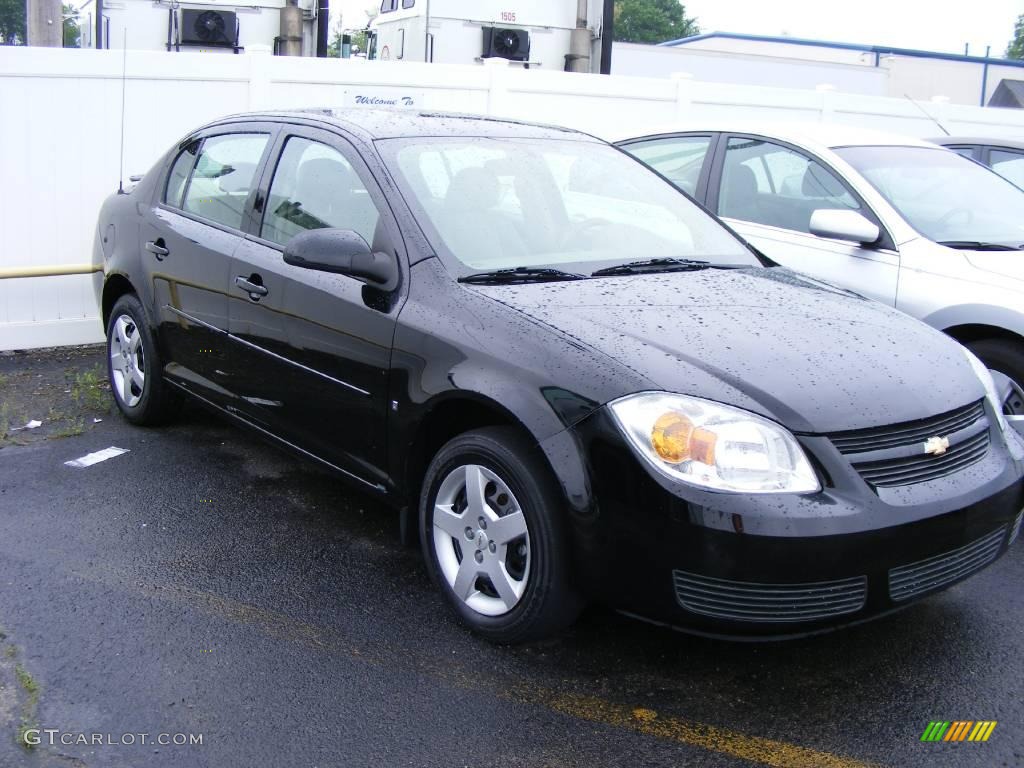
342	252
844	225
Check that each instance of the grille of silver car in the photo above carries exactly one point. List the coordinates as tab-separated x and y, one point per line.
915	579
747	601
881	455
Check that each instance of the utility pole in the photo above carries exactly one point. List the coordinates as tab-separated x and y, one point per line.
44	23
578	59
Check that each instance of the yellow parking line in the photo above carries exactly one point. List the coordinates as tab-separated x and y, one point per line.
712	738
648	722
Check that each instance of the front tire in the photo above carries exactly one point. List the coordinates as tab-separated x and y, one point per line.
1005	359
491	532
134	366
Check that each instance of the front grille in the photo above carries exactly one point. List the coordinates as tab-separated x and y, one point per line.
909	581
907	433
747	601
881	455
888	473
1015	532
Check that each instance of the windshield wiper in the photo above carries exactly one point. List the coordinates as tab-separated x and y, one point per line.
520	275
976	245
662	265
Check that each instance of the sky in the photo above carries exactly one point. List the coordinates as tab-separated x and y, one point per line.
935	25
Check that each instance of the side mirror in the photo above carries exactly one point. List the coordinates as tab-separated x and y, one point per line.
844	225
342	252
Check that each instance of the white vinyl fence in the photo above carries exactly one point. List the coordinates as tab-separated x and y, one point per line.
60	126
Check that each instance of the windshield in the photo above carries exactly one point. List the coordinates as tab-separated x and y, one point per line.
574	205
945	197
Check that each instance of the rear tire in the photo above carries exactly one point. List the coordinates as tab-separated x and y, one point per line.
1006	357
134	367
499	554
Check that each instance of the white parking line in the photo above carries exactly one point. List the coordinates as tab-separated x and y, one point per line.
95	457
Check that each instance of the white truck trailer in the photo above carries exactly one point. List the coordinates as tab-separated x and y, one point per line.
549	34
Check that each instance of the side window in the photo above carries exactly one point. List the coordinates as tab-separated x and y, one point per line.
678	159
223	177
1009	165
314	187
386	6
967	152
770	184
408	3
180	170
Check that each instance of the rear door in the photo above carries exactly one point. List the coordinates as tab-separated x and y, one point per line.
187	238
768	190
311	349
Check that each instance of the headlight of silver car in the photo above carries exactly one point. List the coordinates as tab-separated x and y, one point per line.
982	372
713	446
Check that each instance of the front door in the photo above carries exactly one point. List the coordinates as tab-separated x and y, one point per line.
768	191
312	349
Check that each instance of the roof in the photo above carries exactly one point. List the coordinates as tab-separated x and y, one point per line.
1009	93
820	135
376	123
879	49
984	141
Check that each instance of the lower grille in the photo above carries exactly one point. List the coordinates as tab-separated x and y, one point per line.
747	601
909	581
1015	532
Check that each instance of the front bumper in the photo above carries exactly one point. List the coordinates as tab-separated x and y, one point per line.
773	566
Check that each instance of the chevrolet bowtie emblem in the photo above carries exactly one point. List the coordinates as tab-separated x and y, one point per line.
936	446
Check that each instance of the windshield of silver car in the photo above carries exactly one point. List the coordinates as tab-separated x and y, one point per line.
944	196
500	203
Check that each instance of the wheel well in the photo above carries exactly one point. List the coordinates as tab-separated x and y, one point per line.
115	287
445	421
976	332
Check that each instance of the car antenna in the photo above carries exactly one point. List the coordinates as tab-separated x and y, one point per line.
928	115
124	79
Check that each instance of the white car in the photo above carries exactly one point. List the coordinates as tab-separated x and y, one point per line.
902	221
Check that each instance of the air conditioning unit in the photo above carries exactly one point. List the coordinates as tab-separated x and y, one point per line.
501	43
209	28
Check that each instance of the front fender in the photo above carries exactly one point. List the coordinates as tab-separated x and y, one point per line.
977	314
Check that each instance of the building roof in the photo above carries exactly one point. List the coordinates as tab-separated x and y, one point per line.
1009	93
879	49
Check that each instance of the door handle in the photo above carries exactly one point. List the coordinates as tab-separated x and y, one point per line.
254	289
157	248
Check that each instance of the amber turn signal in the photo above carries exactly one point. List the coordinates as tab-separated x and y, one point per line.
675	439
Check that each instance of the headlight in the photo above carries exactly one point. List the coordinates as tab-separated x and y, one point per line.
713	446
982	372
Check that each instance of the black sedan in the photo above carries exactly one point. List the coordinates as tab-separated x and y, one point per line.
573	382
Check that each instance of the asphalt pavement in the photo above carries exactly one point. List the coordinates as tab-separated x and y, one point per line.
206	584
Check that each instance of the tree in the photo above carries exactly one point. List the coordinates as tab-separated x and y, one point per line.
72	32
1015	50
12	22
652	21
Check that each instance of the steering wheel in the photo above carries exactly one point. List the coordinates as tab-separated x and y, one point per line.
581	229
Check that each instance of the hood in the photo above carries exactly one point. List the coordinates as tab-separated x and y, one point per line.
1004	263
807	354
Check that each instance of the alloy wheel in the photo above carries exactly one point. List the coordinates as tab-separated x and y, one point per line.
127	361
481	540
